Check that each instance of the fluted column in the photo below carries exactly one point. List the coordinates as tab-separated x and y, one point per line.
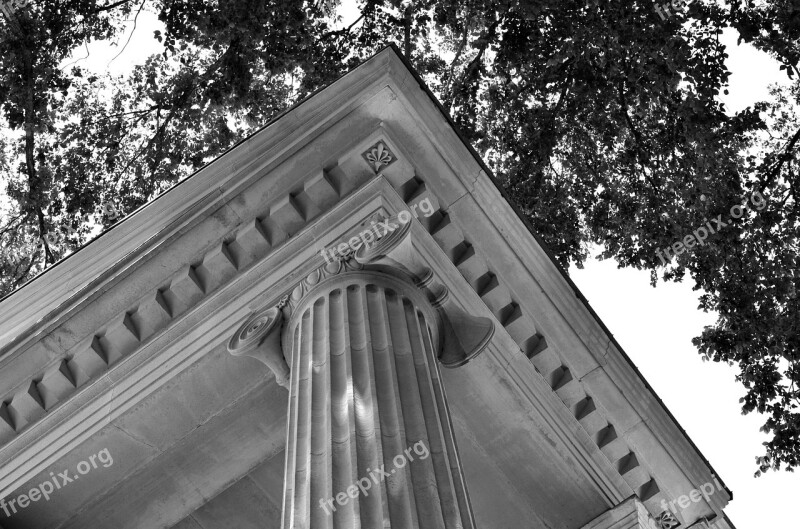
365	396
358	343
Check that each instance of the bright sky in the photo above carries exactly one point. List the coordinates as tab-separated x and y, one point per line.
654	326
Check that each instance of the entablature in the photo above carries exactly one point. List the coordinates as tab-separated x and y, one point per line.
237	236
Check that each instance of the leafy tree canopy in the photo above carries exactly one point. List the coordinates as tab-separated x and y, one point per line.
602	118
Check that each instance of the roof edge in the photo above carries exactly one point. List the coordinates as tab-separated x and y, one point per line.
547	251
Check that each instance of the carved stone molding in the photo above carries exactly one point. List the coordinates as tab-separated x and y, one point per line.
290	301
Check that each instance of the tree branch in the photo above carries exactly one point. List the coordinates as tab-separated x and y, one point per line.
461	46
34	193
10	224
783	158
135	19
641	149
177	101
345	31
109	7
19	280
407	31
473	64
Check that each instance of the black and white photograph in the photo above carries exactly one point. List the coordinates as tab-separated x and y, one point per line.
399	264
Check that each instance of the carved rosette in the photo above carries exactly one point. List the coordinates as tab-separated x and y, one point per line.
667	520
379	156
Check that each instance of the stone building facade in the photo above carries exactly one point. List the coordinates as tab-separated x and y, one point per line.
207	364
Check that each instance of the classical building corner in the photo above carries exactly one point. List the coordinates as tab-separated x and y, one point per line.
341	322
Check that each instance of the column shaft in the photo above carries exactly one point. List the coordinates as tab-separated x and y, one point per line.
365	395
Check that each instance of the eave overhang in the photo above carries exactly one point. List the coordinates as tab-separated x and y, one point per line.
239	233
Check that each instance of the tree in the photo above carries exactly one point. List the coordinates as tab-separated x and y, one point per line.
602	118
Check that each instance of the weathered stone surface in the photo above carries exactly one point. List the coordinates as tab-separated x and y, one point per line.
57	384
26	406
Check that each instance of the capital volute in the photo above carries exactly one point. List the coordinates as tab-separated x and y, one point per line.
259	337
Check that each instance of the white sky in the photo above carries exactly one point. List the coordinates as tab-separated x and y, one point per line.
654	326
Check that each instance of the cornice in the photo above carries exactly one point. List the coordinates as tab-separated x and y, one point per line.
41	371
172	349
256	207
196	330
506	233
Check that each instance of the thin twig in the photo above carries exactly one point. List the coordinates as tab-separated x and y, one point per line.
135	18
783	158
109	7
